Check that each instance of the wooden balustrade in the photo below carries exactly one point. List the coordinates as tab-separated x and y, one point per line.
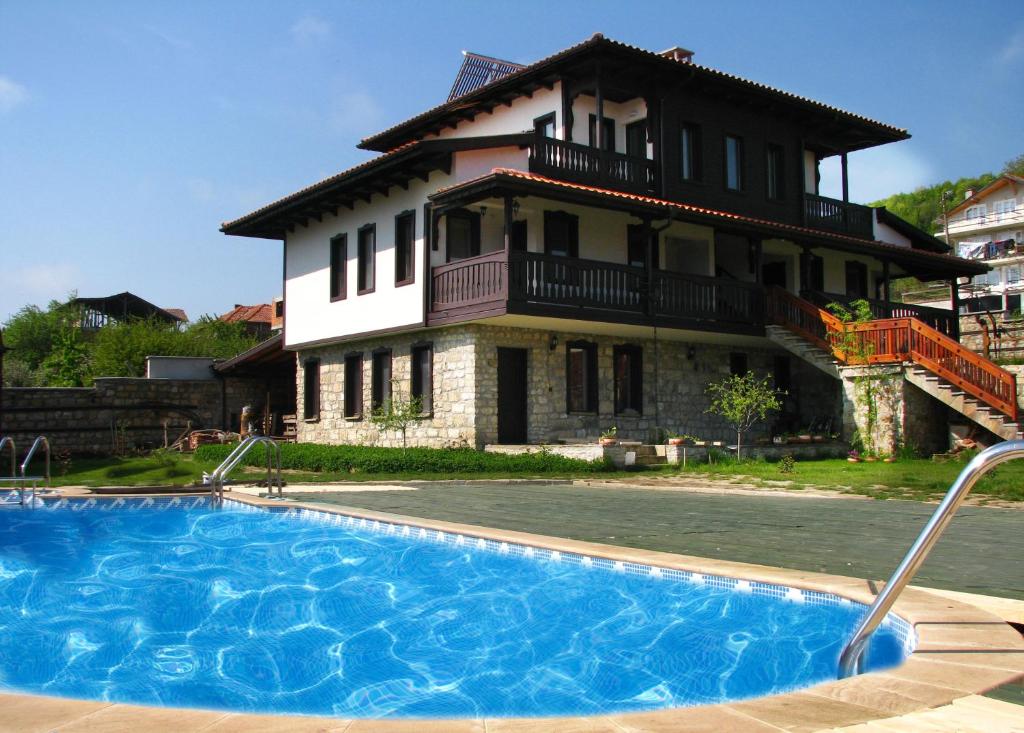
586	164
941	319
896	340
569	281
821	212
470	284
677	295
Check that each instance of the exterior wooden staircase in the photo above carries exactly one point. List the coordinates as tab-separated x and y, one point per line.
935	363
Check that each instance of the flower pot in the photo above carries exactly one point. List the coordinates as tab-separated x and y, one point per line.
779	440
818	438
889	459
804	438
608	441
676	441
851	459
870	459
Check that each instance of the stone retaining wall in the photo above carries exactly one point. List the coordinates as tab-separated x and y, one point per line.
119	413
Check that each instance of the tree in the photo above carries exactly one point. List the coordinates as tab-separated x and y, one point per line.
30	333
397	414
743	400
66	364
1015	166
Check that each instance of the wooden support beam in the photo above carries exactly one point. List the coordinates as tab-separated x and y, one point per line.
846	179
885	280
508	222
599	97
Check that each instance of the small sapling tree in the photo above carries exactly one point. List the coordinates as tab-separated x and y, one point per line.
743	400
397	414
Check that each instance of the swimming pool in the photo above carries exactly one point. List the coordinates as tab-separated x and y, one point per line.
172	602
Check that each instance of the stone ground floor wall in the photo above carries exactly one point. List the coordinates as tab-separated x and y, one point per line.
119	413
465	396
889	413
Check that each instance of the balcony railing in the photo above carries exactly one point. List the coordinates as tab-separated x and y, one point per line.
942	320
528	282
585	164
821	212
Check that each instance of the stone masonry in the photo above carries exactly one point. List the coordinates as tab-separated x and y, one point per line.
465	400
120	412
889	413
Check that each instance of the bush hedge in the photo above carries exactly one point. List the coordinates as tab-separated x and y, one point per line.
367	459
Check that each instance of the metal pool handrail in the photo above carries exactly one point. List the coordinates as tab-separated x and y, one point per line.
32	451
851	660
235	457
7	440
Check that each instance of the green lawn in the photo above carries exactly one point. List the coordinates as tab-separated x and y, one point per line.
915	479
919	479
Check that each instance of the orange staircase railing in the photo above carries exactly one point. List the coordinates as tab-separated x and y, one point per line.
896	340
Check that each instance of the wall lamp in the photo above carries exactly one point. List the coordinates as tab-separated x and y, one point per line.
553	342
691	352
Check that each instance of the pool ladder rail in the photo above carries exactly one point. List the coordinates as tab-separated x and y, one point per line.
851	661
220	474
21	481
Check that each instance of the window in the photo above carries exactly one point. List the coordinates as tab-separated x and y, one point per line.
689	152
279	309
1012	275
636	139
974	212
580	376
815	273
339	261
367	254
405	248
380	379
629	380
1004	207
422	387
354	385
311	389
636	246
856	279
517	236
733	163
561	234
609	133
738	364
774	170
463	234
545	126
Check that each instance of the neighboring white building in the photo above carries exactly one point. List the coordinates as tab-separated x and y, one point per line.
584	241
988	225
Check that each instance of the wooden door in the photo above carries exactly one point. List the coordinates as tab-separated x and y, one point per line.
511	395
636	139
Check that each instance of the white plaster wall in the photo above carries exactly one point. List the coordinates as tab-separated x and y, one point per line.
810	172
517	118
885	233
623	113
311	316
470	164
834	267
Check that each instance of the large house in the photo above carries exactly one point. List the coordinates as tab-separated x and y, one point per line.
582	242
988	225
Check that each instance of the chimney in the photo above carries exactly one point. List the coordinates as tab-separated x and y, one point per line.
678	53
968	193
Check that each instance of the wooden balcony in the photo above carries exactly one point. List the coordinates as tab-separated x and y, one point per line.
529	283
843	217
585	164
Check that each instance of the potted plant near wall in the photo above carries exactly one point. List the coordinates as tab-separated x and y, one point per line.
682	439
853	456
609	436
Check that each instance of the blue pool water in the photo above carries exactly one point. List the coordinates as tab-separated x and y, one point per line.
249	610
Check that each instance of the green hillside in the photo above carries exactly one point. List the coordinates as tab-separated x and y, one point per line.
923	206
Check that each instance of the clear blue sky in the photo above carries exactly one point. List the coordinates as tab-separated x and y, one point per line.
130	130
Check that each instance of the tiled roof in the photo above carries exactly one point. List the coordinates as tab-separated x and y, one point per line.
260	313
481	93
1004	179
712	213
177	313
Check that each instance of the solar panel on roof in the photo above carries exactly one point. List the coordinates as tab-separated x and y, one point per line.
478	70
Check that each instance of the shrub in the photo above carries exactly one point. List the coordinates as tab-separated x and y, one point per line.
365	459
